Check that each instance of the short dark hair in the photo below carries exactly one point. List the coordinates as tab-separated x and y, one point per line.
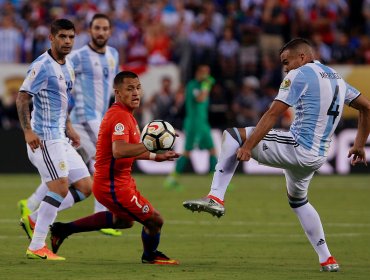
294	44
97	16
118	79
61	24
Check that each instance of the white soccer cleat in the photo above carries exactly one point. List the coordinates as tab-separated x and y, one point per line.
209	204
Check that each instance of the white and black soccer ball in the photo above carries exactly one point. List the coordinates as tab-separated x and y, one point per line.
158	136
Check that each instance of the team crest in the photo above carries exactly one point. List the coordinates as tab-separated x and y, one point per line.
285	84
118	129
145	209
32	74
62	165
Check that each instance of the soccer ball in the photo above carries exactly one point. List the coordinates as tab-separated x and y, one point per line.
158	136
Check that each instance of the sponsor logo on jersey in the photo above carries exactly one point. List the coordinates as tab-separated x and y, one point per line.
264	147
285	84
118	129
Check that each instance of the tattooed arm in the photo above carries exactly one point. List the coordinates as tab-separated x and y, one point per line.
23	102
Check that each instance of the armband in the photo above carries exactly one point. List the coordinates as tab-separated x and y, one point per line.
152	156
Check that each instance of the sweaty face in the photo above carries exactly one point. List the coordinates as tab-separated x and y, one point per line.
129	93
292	60
100	32
63	41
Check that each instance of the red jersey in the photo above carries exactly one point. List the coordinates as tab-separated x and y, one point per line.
117	124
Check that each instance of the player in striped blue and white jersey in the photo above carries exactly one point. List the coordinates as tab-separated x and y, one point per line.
48	84
317	93
95	66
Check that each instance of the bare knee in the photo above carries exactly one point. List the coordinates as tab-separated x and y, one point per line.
59	186
84	185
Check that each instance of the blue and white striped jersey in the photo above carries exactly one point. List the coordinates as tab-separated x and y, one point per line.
93	88
317	93
50	85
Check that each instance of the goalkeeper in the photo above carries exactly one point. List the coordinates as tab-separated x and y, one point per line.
196	126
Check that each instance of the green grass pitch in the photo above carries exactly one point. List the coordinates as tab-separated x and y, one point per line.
258	238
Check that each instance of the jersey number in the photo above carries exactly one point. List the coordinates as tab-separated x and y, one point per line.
134	198
333	109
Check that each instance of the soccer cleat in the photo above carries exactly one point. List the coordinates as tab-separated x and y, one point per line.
28	226
210	204
22	206
158	258
57	236
43	254
111	231
330	265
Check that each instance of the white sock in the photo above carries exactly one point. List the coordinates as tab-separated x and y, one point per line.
98	207
46	216
226	166
311	223
35	199
67	202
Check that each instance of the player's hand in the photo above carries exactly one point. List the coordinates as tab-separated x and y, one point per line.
32	139
243	154
207	83
74	137
169	155
358	155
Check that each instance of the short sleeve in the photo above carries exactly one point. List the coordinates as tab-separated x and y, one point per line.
351	94
292	87
120	128
35	79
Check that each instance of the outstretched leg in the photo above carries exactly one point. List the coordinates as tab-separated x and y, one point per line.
232	139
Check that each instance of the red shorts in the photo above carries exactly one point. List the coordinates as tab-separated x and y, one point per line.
125	202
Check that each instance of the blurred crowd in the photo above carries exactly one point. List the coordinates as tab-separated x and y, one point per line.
239	39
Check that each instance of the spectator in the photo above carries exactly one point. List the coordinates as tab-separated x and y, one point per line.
228	55
161	102
245	104
11	40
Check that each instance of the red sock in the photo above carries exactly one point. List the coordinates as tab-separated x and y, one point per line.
93	222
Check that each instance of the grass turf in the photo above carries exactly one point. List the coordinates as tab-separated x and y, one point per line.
258	238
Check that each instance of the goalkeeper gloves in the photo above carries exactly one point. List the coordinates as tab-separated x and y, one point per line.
207	83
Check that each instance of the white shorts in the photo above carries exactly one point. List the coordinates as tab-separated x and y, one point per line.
279	149
88	132
58	159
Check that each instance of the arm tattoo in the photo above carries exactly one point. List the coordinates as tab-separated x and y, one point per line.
23	101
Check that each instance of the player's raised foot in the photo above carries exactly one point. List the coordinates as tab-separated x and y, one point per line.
210	204
158	258
28	225
43	254
111	231
330	265
57	236
23	208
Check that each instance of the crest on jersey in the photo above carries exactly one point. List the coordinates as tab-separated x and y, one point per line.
32	74
145	208
285	84
118	129
62	165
